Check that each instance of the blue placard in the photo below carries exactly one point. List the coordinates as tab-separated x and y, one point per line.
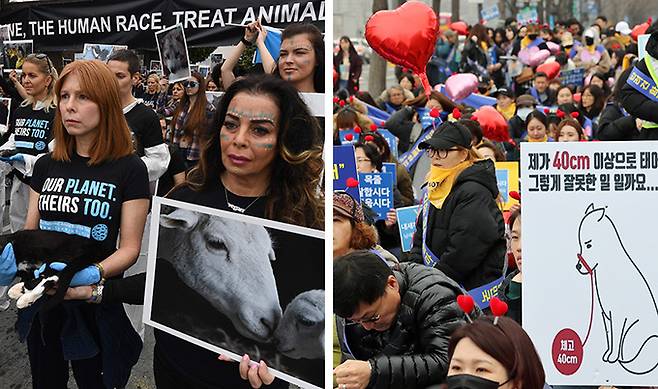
390	167
502	176
344	168
376	191
343	133
407	225
391	139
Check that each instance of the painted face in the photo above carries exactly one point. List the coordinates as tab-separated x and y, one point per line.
297	59
177	91
34	81
80	115
487	153
248	137
564	96
381	314
363	163
515	242
568	134
342	235
587	99
468	358
536	129
395	96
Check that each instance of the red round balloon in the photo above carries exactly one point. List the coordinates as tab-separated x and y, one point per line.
459	27
405	36
552	69
493	124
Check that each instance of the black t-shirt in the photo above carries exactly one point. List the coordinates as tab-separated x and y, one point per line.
32	130
199	366
176	165
84	200
144	127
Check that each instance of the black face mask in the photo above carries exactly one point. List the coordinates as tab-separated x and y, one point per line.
468	381
532	36
589	41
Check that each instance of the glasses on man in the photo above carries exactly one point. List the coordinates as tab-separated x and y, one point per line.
441	154
372	319
190	84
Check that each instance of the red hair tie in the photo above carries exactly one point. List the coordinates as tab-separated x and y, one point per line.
434	113
466	303
357	129
547	111
560	114
474	117
341	103
575	115
498	308
349	137
369	138
456	113
336	99
373	127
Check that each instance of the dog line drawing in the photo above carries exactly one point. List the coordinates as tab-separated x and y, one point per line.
631	332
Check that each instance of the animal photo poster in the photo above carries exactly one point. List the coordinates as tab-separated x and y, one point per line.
14	53
590	274
172	48
99	51
237	285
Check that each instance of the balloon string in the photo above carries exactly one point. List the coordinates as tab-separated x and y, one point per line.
426	84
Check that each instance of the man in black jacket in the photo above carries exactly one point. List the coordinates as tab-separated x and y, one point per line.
393	325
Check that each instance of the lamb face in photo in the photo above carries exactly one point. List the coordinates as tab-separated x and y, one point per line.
300	333
227	262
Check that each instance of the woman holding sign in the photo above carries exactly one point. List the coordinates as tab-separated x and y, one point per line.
461	230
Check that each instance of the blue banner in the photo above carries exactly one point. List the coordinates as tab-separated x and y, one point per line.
376	115
344	169
643	84
391	139
409	158
502	177
342	135
407	225
376	190
389	167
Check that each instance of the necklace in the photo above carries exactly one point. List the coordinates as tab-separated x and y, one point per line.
236	208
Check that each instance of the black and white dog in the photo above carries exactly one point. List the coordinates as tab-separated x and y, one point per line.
33	248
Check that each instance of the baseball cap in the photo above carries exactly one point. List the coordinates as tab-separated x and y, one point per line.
623	28
567	39
345	205
447	135
524	100
504	92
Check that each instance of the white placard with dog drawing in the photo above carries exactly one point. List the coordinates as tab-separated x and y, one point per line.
174	57
236	285
590	274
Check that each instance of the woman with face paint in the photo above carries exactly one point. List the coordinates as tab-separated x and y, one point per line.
485	355
301	58
190	119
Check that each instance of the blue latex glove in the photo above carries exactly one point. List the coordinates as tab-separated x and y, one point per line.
87	276
7	265
13	158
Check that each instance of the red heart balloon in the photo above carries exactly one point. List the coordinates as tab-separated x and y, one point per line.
552	69
405	36
498	307
352	182
349	137
459	27
466	303
493	124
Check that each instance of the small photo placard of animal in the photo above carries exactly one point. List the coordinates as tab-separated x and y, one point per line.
100	51
237	285
15	52
174	57
156	67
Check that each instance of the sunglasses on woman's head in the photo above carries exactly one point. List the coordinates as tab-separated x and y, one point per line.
190	84
42	57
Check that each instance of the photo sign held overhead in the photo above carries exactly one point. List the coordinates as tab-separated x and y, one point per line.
596	277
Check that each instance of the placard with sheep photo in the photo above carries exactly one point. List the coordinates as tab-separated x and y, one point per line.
236	285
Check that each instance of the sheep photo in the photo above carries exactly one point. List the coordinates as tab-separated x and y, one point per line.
242	285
